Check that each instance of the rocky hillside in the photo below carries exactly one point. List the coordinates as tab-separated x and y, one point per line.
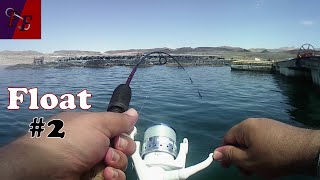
75	53
20	53
136	51
183	50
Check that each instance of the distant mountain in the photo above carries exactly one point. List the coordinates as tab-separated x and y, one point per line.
136	51
222	48
75	53
296	51
276	50
257	50
265	51
287	48
20	53
183	50
293	51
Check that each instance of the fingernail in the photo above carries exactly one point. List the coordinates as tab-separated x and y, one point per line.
217	155
115	156
133	115
114	174
131	112
122	142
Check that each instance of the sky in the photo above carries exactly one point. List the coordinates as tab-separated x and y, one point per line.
102	25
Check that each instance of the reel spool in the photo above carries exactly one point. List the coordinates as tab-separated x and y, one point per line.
159	159
159	141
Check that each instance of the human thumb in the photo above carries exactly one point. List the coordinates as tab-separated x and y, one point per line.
230	154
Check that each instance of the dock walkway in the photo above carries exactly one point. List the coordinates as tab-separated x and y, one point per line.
301	67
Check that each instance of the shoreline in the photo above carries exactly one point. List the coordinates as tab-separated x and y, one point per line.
109	61
237	60
27	57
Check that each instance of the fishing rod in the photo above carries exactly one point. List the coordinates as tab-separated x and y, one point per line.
158	158
122	94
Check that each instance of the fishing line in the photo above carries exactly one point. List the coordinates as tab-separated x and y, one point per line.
146	98
162	56
145	101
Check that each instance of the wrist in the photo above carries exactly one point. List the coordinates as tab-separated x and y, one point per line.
305	145
318	166
314	150
25	159
10	162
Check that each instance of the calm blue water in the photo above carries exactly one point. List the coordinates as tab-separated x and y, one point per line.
165	95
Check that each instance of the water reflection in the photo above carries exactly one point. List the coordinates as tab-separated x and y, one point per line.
304	97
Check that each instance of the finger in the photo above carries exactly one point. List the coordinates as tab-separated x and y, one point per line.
111	173
230	137
125	144
231	155
116	159
218	156
114	124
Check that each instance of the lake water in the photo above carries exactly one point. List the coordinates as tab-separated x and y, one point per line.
165	95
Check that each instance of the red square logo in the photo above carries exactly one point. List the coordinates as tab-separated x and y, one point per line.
20	19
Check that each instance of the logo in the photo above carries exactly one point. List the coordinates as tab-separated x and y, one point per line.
20	19
14	15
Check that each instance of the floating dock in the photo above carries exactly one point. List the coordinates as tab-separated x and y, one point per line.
307	67
265	66
301	67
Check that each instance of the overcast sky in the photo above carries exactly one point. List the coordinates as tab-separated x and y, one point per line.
102	25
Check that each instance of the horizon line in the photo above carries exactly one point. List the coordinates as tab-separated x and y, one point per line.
224	46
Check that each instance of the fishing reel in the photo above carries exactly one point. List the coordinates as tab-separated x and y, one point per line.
158	158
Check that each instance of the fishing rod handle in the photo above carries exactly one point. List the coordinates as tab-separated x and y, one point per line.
119	103
120	99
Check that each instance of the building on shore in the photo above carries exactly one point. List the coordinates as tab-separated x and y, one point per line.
38	61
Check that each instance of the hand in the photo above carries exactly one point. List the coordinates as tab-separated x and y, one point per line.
86	143
269	148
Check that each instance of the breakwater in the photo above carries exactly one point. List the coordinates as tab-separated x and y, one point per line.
109	61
